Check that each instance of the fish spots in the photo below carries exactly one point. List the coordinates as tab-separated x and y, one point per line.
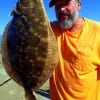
43	23
31	61
40	27
39	59
43	40
36	48
31	30
36	19
35	34
28	47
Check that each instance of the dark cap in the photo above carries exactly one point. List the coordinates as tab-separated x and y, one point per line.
52	3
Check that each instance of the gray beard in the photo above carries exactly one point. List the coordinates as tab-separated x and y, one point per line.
67	24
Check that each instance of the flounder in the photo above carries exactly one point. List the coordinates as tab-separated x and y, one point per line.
29	48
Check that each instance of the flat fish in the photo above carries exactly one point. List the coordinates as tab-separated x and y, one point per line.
29	48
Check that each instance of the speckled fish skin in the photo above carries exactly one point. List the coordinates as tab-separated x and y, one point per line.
29	50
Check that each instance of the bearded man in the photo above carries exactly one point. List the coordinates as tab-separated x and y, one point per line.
77	76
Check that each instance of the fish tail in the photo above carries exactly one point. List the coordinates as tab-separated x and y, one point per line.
29	95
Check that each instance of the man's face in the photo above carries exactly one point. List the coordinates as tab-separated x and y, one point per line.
66	13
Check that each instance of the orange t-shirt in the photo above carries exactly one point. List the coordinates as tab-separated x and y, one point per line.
77	76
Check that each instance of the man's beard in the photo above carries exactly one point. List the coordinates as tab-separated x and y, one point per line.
68	23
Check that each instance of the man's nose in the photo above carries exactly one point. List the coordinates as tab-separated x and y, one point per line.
63	9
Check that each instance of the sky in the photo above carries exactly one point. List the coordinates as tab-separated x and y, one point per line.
90	9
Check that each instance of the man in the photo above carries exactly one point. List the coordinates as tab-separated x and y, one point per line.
77	76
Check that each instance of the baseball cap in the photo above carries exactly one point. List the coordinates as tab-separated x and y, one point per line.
52	3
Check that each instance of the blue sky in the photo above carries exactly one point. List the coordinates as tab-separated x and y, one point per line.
89	9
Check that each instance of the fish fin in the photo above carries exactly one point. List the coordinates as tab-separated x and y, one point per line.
29	95
16	10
